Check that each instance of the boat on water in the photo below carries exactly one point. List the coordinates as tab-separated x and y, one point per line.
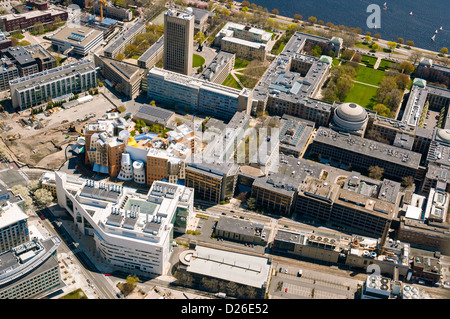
411	13
436	31
385	6
434	36
440	29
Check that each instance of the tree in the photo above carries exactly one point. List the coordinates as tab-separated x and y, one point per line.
367	39
244	9
357	58
43	197
377	36
402	81
22	191
33	185
376	172
321	22
245	3
400	41
298	17
406	67
251	203
444	50
329	25
275	11
200	37
414	57
382	110
120	57
312	20
347	54
410	43
375	46
391	45
407	181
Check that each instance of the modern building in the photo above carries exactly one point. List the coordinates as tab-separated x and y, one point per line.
247	271
153	54
13	226
125	37
79	40
38	88
133	232
201	17
124	77
8	72
30	270
17	22
38	4
199	95
214	182
179	41
380	287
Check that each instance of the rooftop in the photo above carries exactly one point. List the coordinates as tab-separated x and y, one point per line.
77	34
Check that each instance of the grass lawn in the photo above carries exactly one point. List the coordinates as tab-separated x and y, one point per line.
363	95
240	63
231	82
136	56
197	60
369	75
76	294
368	59
385	64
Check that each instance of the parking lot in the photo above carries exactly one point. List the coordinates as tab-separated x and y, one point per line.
287	284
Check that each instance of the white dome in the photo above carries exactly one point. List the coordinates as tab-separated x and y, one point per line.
350	116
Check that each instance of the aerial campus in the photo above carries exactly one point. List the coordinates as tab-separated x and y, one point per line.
218	150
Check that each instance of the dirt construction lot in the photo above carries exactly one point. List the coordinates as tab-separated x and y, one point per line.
43	143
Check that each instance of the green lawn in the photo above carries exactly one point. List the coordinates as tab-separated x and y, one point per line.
369	75
76	294
197	60
363	95
240	63
368	59
385	64
231	82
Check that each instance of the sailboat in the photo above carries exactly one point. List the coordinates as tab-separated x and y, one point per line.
436	31
411	13
385	6
440	29
432	38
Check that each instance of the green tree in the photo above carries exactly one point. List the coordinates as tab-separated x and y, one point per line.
410	43
199	37
312	20
444	50
43	197
382	110
376	172
375	46
406	67
251	203
407	181
400	41
391	45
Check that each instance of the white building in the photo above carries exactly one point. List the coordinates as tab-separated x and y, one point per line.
132	231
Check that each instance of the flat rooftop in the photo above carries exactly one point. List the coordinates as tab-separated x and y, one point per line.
77	35
367	147
124	36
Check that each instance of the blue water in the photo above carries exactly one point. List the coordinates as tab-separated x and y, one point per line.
428	15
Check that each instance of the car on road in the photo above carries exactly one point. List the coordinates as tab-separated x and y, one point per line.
285	290
300	272
107	275
42	217
224	213
285	271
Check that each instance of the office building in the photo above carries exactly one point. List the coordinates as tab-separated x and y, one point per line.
8	72
216	100
153	54
219	68
133	232
214	182
17	22
125	77
29	59
13	226
125	37
178	41
38	4
38	88
345	150
30	270
77	40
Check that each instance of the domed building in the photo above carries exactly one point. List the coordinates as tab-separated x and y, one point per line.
351	118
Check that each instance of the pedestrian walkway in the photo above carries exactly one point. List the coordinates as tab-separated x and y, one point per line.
377	63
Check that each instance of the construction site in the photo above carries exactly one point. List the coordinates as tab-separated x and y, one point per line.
41	140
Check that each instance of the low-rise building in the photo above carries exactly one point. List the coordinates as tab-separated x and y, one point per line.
219	68
295	135
154	115
153	54
250	272
17	22
77	40
38	88
125	38
114	12
125	77
241	231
